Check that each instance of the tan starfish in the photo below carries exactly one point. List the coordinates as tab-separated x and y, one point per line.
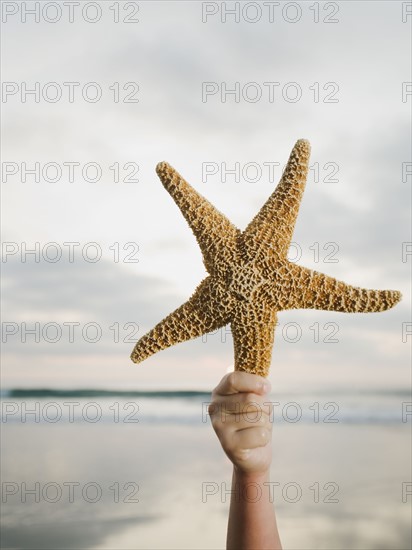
250	278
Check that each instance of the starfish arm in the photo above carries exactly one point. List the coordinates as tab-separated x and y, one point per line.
215	234
311	289
272	228
208	309
253	329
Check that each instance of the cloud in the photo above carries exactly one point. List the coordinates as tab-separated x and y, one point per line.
101	292
67	534
365	213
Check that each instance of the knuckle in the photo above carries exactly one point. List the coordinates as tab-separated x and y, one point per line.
240	455
226	442
264	434
231	380
217	427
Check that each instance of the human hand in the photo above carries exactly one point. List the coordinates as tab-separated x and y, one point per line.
241	421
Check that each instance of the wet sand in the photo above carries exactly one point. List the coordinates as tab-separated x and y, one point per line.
165	486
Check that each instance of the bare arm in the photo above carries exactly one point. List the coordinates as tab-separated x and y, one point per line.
242	423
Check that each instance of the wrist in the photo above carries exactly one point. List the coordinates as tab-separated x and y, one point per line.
250	477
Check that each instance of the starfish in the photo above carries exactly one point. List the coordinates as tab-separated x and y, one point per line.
250	278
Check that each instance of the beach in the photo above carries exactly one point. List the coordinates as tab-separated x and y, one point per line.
147	472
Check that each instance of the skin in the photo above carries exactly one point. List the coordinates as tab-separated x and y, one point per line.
242	423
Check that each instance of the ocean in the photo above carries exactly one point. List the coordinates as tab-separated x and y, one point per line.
104	469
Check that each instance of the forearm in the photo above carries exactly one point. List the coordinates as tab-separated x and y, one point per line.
252	519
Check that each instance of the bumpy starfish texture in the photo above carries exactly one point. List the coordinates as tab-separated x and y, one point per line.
250	278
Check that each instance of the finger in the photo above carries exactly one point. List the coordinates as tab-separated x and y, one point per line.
244	421
239	381
251	438
241	403
225	424
235	422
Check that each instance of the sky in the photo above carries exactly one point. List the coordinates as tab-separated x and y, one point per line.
223	97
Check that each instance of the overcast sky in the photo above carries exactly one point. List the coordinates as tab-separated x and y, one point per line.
343	85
